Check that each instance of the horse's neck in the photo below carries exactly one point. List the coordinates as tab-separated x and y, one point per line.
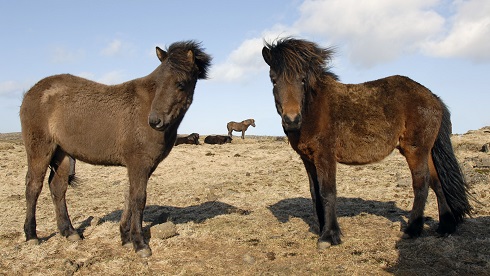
317	104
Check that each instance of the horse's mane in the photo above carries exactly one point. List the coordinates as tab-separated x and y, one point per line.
292	57
178	60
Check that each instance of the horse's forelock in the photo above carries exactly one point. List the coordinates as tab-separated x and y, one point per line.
292	57
178	57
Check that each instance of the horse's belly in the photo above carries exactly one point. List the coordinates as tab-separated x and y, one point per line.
95	146
93	152
364	150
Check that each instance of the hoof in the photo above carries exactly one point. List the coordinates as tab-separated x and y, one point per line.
32	242
322	245
144	253
74	237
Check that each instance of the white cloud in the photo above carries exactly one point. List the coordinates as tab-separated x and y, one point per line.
62	55
113	77
376	31
245	61
87	75
371	31
113	48
13	89
240	62
468	34
117	47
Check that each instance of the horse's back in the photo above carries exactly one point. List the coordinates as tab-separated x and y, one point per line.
57	91
372	117
56	101
410	97
392	96
71	112
40	101
233	126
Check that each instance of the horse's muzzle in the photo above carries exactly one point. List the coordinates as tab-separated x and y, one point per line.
157	123
291	122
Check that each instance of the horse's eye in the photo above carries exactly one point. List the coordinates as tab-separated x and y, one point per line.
181	85
303	81
273	82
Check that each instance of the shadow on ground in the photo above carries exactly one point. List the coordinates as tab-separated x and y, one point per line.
155	214
466	252
301	207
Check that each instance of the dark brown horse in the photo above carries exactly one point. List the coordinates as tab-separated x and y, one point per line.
192	139
217	139
241	126
133	124
328	122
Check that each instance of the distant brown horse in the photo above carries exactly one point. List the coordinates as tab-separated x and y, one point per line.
133	124
242	126
328	122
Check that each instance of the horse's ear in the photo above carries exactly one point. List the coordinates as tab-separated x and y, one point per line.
190	56
266	54
161	54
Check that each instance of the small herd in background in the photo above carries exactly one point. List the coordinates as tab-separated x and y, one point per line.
193	138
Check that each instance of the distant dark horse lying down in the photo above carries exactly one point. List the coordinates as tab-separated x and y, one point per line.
242	126
192	139
328	122
133	124
217	139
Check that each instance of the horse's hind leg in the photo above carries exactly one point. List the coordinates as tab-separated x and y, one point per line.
447	222
417	159
39	154
230	130
58	183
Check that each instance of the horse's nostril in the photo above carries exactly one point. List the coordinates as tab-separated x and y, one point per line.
153	120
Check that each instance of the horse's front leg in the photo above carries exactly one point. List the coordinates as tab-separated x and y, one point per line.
324	196
131	226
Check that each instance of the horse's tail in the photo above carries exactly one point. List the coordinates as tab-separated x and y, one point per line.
72	179
229	126
453	184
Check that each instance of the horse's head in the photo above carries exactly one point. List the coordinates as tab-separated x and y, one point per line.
175	80
289	97
296	69
251	122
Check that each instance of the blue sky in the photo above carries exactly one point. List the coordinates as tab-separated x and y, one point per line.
444	45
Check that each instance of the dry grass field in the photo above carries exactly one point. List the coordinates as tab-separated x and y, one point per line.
244	209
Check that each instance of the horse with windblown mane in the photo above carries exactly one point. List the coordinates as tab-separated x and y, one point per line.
328	122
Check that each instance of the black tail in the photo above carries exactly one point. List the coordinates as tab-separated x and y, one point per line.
72	179
452	180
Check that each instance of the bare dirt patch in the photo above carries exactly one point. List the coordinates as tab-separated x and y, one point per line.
244	209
